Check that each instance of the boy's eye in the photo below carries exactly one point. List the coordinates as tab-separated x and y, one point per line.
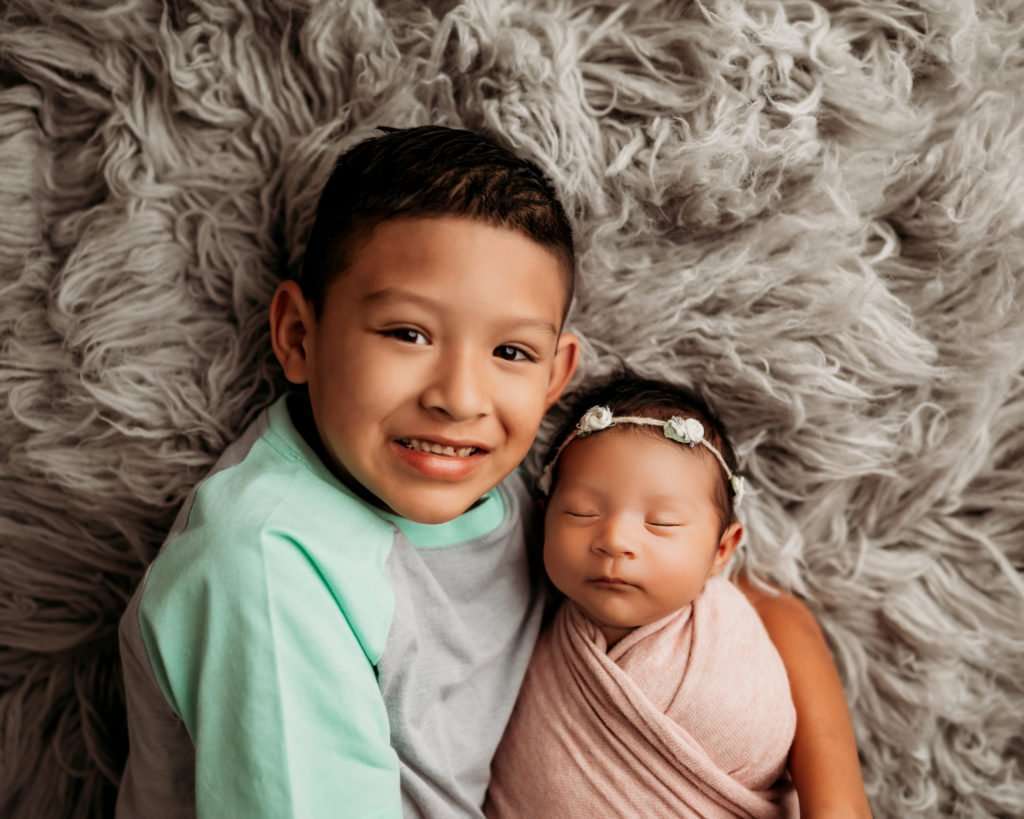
665	524
511	353
406	334
572	514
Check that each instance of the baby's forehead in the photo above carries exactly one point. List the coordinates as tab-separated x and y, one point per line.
662	468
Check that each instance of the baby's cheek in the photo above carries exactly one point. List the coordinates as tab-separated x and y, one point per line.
557	564
552	561
668	581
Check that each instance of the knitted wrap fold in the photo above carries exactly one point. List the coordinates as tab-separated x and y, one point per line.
689	716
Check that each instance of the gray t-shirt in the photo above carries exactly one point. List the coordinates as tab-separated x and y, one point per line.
293	651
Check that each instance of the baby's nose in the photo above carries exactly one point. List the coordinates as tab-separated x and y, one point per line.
615	542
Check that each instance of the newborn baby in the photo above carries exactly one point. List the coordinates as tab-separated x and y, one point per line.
656	690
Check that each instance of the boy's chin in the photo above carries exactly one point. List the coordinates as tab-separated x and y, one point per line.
439	507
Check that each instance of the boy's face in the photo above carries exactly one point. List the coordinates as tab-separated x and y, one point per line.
632	532
435	357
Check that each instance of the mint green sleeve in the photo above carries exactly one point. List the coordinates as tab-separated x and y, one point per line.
255	652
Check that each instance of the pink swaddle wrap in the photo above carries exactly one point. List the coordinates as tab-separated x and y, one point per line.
688	716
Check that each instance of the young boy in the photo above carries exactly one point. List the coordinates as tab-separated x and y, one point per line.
341	617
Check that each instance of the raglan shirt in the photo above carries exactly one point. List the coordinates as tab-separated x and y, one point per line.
295	652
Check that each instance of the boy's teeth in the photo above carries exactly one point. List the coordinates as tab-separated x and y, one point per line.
438	449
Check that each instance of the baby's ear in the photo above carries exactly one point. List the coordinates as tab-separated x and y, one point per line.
727	545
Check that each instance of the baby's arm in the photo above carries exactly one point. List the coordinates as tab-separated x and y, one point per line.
823	761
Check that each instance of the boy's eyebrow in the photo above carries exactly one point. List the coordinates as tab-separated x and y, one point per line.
387	294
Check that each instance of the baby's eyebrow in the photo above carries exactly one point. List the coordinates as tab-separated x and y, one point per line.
671	500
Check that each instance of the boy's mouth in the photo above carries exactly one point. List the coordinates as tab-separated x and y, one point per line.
435	448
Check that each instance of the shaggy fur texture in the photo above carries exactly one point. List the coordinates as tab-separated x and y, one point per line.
813	209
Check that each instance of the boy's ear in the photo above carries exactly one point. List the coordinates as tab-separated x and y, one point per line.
292	322
727	544
567	358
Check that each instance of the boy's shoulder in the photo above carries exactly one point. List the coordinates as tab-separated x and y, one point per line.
268	500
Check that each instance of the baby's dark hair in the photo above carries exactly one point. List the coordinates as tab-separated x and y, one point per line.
430	171
626	393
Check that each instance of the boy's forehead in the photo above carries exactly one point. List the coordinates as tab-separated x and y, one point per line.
435	261
427	238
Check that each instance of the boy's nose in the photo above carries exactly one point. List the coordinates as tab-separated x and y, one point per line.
458	390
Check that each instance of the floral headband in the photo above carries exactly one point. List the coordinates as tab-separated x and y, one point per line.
687	431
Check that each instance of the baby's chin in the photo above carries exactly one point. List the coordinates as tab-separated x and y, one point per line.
604	619
622	623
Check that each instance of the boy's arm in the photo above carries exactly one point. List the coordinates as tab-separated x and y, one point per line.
255	655
823	761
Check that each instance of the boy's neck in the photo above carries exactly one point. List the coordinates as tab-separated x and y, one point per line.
301	413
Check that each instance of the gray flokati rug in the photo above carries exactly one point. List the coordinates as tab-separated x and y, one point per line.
814	209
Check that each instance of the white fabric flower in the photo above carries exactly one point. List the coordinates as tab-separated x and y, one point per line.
739	486
695	429
594	420
684	430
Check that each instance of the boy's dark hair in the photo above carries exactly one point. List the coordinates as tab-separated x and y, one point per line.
430	171
626	393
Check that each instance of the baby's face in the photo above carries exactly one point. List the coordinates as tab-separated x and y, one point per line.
631	532
435	357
